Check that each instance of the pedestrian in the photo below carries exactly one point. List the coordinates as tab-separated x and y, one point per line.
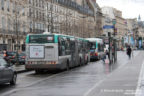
5	53
129	51
105	55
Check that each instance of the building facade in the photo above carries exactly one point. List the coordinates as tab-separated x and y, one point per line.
73	17
13	24
70	17
132	30
121	28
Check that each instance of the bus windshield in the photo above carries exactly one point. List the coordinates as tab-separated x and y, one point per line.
92	45
41	39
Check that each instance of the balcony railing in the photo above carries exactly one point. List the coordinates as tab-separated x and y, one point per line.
74	5
36	31
10	32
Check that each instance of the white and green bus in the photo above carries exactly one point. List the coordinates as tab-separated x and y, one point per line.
96	48
55	51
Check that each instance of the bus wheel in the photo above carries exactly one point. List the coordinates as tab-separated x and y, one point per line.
80	62
87	61
67	66
38	71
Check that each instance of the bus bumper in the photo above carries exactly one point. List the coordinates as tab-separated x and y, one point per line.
42	66
94	58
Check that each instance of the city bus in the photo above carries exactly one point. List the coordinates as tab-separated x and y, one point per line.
83	50
96	48
55	51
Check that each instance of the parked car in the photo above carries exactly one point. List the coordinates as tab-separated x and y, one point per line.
7	73
21	58
9	56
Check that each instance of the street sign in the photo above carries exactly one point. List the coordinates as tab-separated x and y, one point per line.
114	21
108	27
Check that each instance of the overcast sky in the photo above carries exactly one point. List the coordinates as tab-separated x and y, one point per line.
129	8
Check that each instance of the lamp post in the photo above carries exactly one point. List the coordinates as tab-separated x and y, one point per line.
16	30
51	16
114	43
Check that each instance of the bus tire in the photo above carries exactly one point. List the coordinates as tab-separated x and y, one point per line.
87	61
38	71
80	62
67	65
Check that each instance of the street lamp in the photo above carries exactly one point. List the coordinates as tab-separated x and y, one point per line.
16	29
115	48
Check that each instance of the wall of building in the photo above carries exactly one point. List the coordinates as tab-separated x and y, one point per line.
71	17
13	24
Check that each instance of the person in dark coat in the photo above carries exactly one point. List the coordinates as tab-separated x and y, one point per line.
129	51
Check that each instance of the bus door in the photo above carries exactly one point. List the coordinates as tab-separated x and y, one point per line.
73	59
83	52
76	53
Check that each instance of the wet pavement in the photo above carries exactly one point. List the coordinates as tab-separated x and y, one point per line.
94	79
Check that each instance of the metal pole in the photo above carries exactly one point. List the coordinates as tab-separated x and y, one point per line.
66	21
115	48
109	55
83	20
51	16
16	26
33	18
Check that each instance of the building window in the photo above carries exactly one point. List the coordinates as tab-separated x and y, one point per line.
8	24
29	1
24	29
13	7
2	4
23	11
3	23
8	5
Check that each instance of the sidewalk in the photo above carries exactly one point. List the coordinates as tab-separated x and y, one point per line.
19	68
122	82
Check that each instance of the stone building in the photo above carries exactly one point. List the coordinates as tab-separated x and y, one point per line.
140	33
121	28
20	17
13	24
36	15
73	17
132	32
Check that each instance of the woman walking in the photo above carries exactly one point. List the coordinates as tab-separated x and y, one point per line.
129	51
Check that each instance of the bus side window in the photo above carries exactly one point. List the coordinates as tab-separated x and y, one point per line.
67	46
99	47
80	47
61	45
72	44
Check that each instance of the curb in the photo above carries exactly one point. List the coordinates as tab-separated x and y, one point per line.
22	71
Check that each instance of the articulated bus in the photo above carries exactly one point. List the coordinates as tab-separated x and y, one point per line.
96	48
55	51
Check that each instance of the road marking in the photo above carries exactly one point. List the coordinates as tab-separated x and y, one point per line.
140	81
90	90
97	84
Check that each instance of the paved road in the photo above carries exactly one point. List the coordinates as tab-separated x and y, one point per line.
94	79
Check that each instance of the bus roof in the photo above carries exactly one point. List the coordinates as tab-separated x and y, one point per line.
62	35
98	40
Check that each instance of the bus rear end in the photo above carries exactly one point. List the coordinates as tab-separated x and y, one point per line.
42	52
